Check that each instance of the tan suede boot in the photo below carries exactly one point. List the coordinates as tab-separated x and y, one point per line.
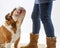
33	41
51	42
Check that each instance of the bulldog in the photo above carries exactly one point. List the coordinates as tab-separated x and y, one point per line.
11	29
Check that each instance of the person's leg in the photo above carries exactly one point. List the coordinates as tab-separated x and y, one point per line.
36	26
46	9
35	19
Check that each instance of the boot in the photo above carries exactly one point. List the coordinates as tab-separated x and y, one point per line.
33	41
51	42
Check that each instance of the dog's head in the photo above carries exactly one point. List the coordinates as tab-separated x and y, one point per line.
17	12
10	20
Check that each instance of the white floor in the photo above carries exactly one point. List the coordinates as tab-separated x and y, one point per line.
39	46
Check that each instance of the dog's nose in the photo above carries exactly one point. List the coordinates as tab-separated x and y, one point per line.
19	11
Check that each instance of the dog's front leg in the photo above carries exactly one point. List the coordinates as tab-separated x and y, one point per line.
16	43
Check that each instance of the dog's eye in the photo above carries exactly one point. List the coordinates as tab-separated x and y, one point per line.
8	18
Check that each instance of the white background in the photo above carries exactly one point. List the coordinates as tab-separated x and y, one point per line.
7	6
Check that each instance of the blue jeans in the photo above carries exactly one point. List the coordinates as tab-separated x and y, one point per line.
42	12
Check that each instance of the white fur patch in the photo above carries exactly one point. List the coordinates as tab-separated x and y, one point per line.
15	18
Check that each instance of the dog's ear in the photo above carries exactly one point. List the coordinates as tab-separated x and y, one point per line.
8	17
13	11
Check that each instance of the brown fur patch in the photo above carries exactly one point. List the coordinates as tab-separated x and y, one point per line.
14	29
2	39
7	34
7	23
8	17
10	21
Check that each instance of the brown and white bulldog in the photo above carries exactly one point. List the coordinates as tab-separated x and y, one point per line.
10	30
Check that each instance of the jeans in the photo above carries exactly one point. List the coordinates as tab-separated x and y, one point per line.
42	12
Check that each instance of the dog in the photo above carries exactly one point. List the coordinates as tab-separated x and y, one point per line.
11	29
